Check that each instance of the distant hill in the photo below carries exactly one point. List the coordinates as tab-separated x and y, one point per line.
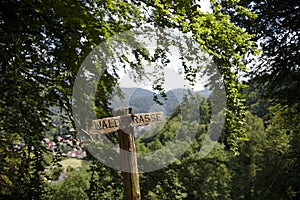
141	100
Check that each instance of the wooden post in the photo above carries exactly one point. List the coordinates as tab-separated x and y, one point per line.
128	157
123	122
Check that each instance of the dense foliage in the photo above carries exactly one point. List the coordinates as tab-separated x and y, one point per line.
267	167
276	29
43	44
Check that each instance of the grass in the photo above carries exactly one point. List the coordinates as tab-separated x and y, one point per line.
73	162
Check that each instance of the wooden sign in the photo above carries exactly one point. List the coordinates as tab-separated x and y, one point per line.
143	119
104	125
111	124
127	121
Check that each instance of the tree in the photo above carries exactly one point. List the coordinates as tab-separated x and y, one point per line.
188	177
105	182
43	45
276	72
244	168
219	37
277	68
72	186
277	165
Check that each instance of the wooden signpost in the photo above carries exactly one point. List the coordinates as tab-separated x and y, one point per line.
124	124
111	124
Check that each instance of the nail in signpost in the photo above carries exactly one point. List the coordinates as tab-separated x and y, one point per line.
124	124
